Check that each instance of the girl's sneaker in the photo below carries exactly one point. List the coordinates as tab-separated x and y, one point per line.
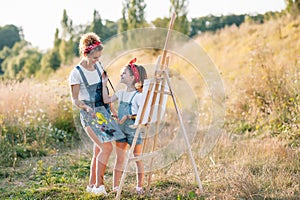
116	189
139	190
100	190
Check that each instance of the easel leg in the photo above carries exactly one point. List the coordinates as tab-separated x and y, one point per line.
184	134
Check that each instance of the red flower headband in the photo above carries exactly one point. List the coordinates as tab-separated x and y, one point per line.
92	46
134	70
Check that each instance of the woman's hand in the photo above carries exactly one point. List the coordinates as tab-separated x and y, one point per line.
89	110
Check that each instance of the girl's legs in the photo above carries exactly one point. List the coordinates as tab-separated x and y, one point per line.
120	157
140	165
96	151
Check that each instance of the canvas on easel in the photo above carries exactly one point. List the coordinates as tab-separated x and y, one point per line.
155	106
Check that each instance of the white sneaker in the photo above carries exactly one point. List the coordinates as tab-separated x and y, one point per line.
116	189
99	190
89	188
139	190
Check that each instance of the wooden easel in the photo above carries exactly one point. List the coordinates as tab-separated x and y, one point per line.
161	78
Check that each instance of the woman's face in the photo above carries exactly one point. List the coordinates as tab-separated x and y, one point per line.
126	77
93	57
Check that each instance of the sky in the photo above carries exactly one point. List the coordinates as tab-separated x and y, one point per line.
40	18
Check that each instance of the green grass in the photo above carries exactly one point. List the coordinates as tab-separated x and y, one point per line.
243	169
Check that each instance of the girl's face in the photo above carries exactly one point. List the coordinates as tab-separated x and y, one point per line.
126	77
93	57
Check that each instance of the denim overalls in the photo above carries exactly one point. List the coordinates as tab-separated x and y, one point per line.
94	90
125	109
103	125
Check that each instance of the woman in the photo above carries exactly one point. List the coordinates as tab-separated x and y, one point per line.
86	91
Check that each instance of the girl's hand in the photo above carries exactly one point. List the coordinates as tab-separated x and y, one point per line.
121	121
104	79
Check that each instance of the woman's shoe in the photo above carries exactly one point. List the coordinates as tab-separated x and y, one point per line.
100	190
89	188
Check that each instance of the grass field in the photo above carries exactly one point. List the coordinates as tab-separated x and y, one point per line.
256	156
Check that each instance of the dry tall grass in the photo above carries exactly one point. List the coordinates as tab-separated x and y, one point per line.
260	66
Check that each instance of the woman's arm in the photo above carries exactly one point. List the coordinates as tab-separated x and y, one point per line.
74	95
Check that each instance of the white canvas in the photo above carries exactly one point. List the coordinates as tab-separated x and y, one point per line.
154	116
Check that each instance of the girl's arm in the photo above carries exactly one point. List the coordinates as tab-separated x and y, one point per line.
106	97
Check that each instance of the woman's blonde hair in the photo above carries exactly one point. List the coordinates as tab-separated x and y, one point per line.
87	40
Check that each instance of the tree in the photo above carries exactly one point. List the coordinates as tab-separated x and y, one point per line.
57	40
110	29
179	7
21	61
133	15
9	35
97	26
293	7
67	45
50	61
162	23
67	26
31	65
123	25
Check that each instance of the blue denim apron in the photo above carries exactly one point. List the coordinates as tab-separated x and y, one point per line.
125	109
103	125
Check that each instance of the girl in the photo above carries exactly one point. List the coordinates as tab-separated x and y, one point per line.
133	77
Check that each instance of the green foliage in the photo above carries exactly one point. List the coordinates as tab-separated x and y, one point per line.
51	60
213	23
133	15
162	23
97	26
293	7
19	143
20	61
110	30
179	7
105	31
34	134
67	26
11	35
67	51
123	25
67	43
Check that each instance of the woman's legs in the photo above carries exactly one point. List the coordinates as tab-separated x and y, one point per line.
102	160
140	165
96	151
120	157
102	156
